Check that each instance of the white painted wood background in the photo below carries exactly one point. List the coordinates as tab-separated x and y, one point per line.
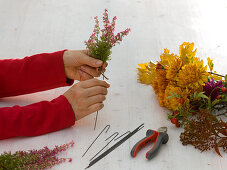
34	26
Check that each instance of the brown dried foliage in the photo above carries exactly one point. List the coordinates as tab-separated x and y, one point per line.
205	132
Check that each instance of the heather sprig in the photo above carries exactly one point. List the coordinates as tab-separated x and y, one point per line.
34	159
100	44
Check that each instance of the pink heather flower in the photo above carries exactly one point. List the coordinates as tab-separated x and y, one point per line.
96	28
107	38
72	143
70	160
106	18
113	23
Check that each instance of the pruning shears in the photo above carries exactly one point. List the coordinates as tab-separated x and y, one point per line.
159	137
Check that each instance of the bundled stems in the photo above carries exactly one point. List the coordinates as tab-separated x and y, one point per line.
101	41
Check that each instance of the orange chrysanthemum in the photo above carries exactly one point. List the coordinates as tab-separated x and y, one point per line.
192	76
160	84
173	69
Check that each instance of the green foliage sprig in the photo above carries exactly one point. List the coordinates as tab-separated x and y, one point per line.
100	45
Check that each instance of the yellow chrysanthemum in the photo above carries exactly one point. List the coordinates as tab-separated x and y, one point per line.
147	73
160	84
186	52
192	76
210	64
173	103
167	58
173	69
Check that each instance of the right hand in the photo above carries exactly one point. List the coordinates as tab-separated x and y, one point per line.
87	97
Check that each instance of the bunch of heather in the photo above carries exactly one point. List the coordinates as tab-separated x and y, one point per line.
100	44
34	159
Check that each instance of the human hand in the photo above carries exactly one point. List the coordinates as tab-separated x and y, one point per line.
80	66
87	97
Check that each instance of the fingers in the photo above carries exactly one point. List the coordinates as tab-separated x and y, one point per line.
96	99
87	97
93	62
85	52
96	90
87	60
84	76
90	70
95	82
95	107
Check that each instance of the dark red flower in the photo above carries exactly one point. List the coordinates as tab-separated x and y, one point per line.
212	88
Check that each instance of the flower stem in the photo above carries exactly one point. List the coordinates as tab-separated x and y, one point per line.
216	74
105	76
221	114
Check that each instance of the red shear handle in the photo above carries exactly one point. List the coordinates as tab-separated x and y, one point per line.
162	138
143	142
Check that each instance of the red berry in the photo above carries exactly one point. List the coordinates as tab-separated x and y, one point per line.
181	101
174	120
176	113
177	124
223	89
219	96
158	66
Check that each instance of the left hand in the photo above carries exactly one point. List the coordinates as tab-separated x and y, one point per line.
80	66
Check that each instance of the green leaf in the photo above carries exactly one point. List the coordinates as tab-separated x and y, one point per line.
173	95
224	99
170	116
195	94
226	78
200	95
214	102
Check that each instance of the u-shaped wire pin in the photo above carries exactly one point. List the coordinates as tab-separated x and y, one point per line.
108	127
115	135
122	135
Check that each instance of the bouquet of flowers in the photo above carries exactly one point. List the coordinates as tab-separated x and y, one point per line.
197	97
100	43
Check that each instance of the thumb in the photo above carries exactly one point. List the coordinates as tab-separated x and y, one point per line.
85	59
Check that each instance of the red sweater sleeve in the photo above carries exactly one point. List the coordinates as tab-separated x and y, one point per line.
32	74
36	119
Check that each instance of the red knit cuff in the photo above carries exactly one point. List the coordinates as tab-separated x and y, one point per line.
69	113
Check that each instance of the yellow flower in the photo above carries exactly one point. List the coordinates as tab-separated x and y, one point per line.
186	52
173	69
173	103
215	77
210	64
166	58
147	73
192	75
160	84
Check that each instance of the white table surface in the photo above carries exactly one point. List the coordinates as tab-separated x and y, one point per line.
33	26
